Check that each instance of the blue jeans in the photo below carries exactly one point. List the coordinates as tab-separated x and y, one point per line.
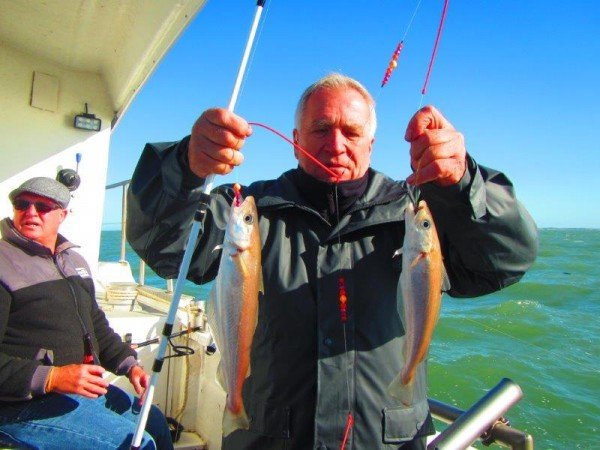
56	421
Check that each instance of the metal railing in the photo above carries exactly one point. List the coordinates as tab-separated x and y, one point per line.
483	420
124	185
142	268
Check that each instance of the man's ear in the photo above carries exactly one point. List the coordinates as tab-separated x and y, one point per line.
63	215
296	139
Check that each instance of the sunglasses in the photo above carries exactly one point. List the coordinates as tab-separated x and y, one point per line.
41	207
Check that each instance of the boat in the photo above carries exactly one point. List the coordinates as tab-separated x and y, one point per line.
70	70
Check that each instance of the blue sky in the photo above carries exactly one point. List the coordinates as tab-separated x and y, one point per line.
520	79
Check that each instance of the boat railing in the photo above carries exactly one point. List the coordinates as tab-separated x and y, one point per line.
484	421
123	253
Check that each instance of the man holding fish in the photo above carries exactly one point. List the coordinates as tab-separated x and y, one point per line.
342	228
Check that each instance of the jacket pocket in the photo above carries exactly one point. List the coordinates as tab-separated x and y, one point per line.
269	420
401	424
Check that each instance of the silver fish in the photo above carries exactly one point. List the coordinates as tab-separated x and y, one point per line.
422	281
233	307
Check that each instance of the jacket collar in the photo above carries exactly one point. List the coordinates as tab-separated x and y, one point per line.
285	192
384	200
12	235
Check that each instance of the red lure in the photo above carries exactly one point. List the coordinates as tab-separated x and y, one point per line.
393	63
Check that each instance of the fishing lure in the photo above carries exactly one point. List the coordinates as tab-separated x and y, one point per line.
393	63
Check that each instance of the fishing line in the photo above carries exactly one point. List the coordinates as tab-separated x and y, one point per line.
435	48
304	152
394	59
253	53
343	306
394	63
261	27
409	26
242	83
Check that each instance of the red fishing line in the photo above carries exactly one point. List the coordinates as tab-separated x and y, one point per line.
308	155
435	47
349	424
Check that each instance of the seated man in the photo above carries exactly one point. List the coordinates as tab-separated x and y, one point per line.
55	343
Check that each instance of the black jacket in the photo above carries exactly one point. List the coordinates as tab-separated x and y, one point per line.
297	394
47	304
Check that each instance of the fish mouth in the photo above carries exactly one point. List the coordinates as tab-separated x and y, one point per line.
413	199
236	250
420	206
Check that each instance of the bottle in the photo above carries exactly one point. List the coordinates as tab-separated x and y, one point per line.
90	356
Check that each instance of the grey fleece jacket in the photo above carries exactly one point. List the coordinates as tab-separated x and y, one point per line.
47	304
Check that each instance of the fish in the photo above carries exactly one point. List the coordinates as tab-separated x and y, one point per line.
422	280
232	311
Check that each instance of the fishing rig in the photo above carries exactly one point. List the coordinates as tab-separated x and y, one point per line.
467	427
196	231
393	64
198	227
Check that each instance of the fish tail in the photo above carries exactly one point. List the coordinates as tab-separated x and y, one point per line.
414	390
232	421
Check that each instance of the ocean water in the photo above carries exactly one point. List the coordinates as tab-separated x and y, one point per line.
543	333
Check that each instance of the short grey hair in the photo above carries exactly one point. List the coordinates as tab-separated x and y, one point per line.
334	81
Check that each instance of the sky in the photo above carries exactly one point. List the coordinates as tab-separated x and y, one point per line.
520	79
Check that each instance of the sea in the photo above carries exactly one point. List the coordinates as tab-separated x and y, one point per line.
542	333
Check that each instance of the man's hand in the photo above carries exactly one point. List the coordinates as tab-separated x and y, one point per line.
437	150
139	379
217	136
82	379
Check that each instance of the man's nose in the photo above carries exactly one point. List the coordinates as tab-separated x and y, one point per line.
336	142
31	210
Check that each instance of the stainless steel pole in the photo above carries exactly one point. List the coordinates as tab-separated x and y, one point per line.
481	416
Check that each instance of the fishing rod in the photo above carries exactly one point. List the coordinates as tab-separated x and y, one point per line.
157	339
196	231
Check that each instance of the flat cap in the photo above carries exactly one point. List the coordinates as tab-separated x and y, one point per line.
45	187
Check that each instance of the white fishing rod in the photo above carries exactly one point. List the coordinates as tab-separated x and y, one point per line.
196	231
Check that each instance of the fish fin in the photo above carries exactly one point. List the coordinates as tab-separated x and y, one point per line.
232	422
418	258
243	268
445	280
414	390
401	391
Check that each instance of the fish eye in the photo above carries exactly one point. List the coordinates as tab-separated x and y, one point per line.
248	219
426	224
